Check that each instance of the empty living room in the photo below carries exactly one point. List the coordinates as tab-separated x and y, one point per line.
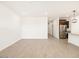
39	29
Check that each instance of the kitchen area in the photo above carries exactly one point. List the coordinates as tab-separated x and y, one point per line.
64	28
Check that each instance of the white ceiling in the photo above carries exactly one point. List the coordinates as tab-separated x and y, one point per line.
42	8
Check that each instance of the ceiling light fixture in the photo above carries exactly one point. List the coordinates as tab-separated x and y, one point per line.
74	20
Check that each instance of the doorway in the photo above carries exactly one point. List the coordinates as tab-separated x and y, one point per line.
63	26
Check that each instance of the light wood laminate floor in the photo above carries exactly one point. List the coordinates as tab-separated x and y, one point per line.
40	48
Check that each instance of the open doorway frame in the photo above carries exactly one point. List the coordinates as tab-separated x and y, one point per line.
63	26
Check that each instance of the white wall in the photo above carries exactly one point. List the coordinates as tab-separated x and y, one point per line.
56	28
34	28
9	27
50	29
74	36
75	27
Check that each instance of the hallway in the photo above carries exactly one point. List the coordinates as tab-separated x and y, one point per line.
41	48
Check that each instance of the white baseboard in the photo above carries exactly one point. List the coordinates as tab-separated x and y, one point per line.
8	44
